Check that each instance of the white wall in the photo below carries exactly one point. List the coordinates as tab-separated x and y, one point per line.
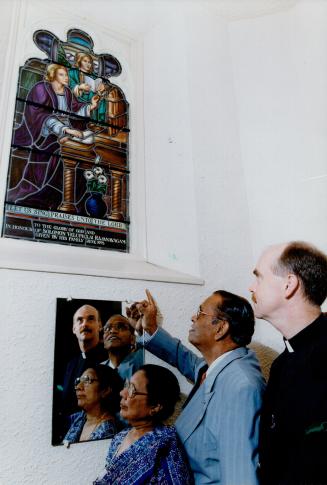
280	76
191	161
280	67
235	111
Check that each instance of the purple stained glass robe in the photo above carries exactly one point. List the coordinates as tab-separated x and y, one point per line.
41	181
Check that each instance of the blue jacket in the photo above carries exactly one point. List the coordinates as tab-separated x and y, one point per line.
219	427
130	364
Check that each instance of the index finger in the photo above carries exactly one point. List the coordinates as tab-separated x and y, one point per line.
150	297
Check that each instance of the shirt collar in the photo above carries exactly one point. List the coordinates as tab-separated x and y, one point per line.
216	362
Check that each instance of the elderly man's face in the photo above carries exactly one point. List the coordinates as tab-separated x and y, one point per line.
87	325
267	288
117	334
204	327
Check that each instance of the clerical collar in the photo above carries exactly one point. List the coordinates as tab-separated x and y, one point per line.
305	336
92	353
288	345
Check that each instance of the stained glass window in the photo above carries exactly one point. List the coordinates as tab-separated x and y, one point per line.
68	171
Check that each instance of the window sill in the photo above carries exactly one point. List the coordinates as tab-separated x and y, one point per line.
52	258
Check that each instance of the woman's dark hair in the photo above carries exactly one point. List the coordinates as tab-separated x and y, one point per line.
240	316
109	377
162	388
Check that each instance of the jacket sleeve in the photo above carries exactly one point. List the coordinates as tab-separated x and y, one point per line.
172	351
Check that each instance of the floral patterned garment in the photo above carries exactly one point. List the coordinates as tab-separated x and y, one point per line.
156	458
106	429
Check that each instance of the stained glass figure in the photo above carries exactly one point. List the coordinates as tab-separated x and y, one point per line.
68	171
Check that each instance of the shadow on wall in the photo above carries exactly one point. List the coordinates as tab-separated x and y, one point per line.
265	355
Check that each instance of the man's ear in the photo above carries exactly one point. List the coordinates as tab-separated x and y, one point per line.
222	329
292	284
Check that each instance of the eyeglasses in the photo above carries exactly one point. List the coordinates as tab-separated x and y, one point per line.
200	312
118	327
221	316
131	390
86	380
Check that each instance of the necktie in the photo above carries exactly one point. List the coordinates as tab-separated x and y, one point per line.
201	377
204	375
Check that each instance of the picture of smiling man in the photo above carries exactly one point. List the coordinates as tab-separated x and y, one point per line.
119	342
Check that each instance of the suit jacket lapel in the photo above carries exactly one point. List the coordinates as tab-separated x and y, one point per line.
197	384
193	414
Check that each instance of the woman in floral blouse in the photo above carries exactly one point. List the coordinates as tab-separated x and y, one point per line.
148	452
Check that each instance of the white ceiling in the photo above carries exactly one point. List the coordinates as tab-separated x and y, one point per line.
134	17
238	9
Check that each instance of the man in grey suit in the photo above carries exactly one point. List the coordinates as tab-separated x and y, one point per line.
220	422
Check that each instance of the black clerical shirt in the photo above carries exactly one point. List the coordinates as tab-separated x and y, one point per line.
293	439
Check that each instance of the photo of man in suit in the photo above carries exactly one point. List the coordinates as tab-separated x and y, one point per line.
219	424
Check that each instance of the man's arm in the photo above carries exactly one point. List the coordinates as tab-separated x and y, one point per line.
172	351
143	317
